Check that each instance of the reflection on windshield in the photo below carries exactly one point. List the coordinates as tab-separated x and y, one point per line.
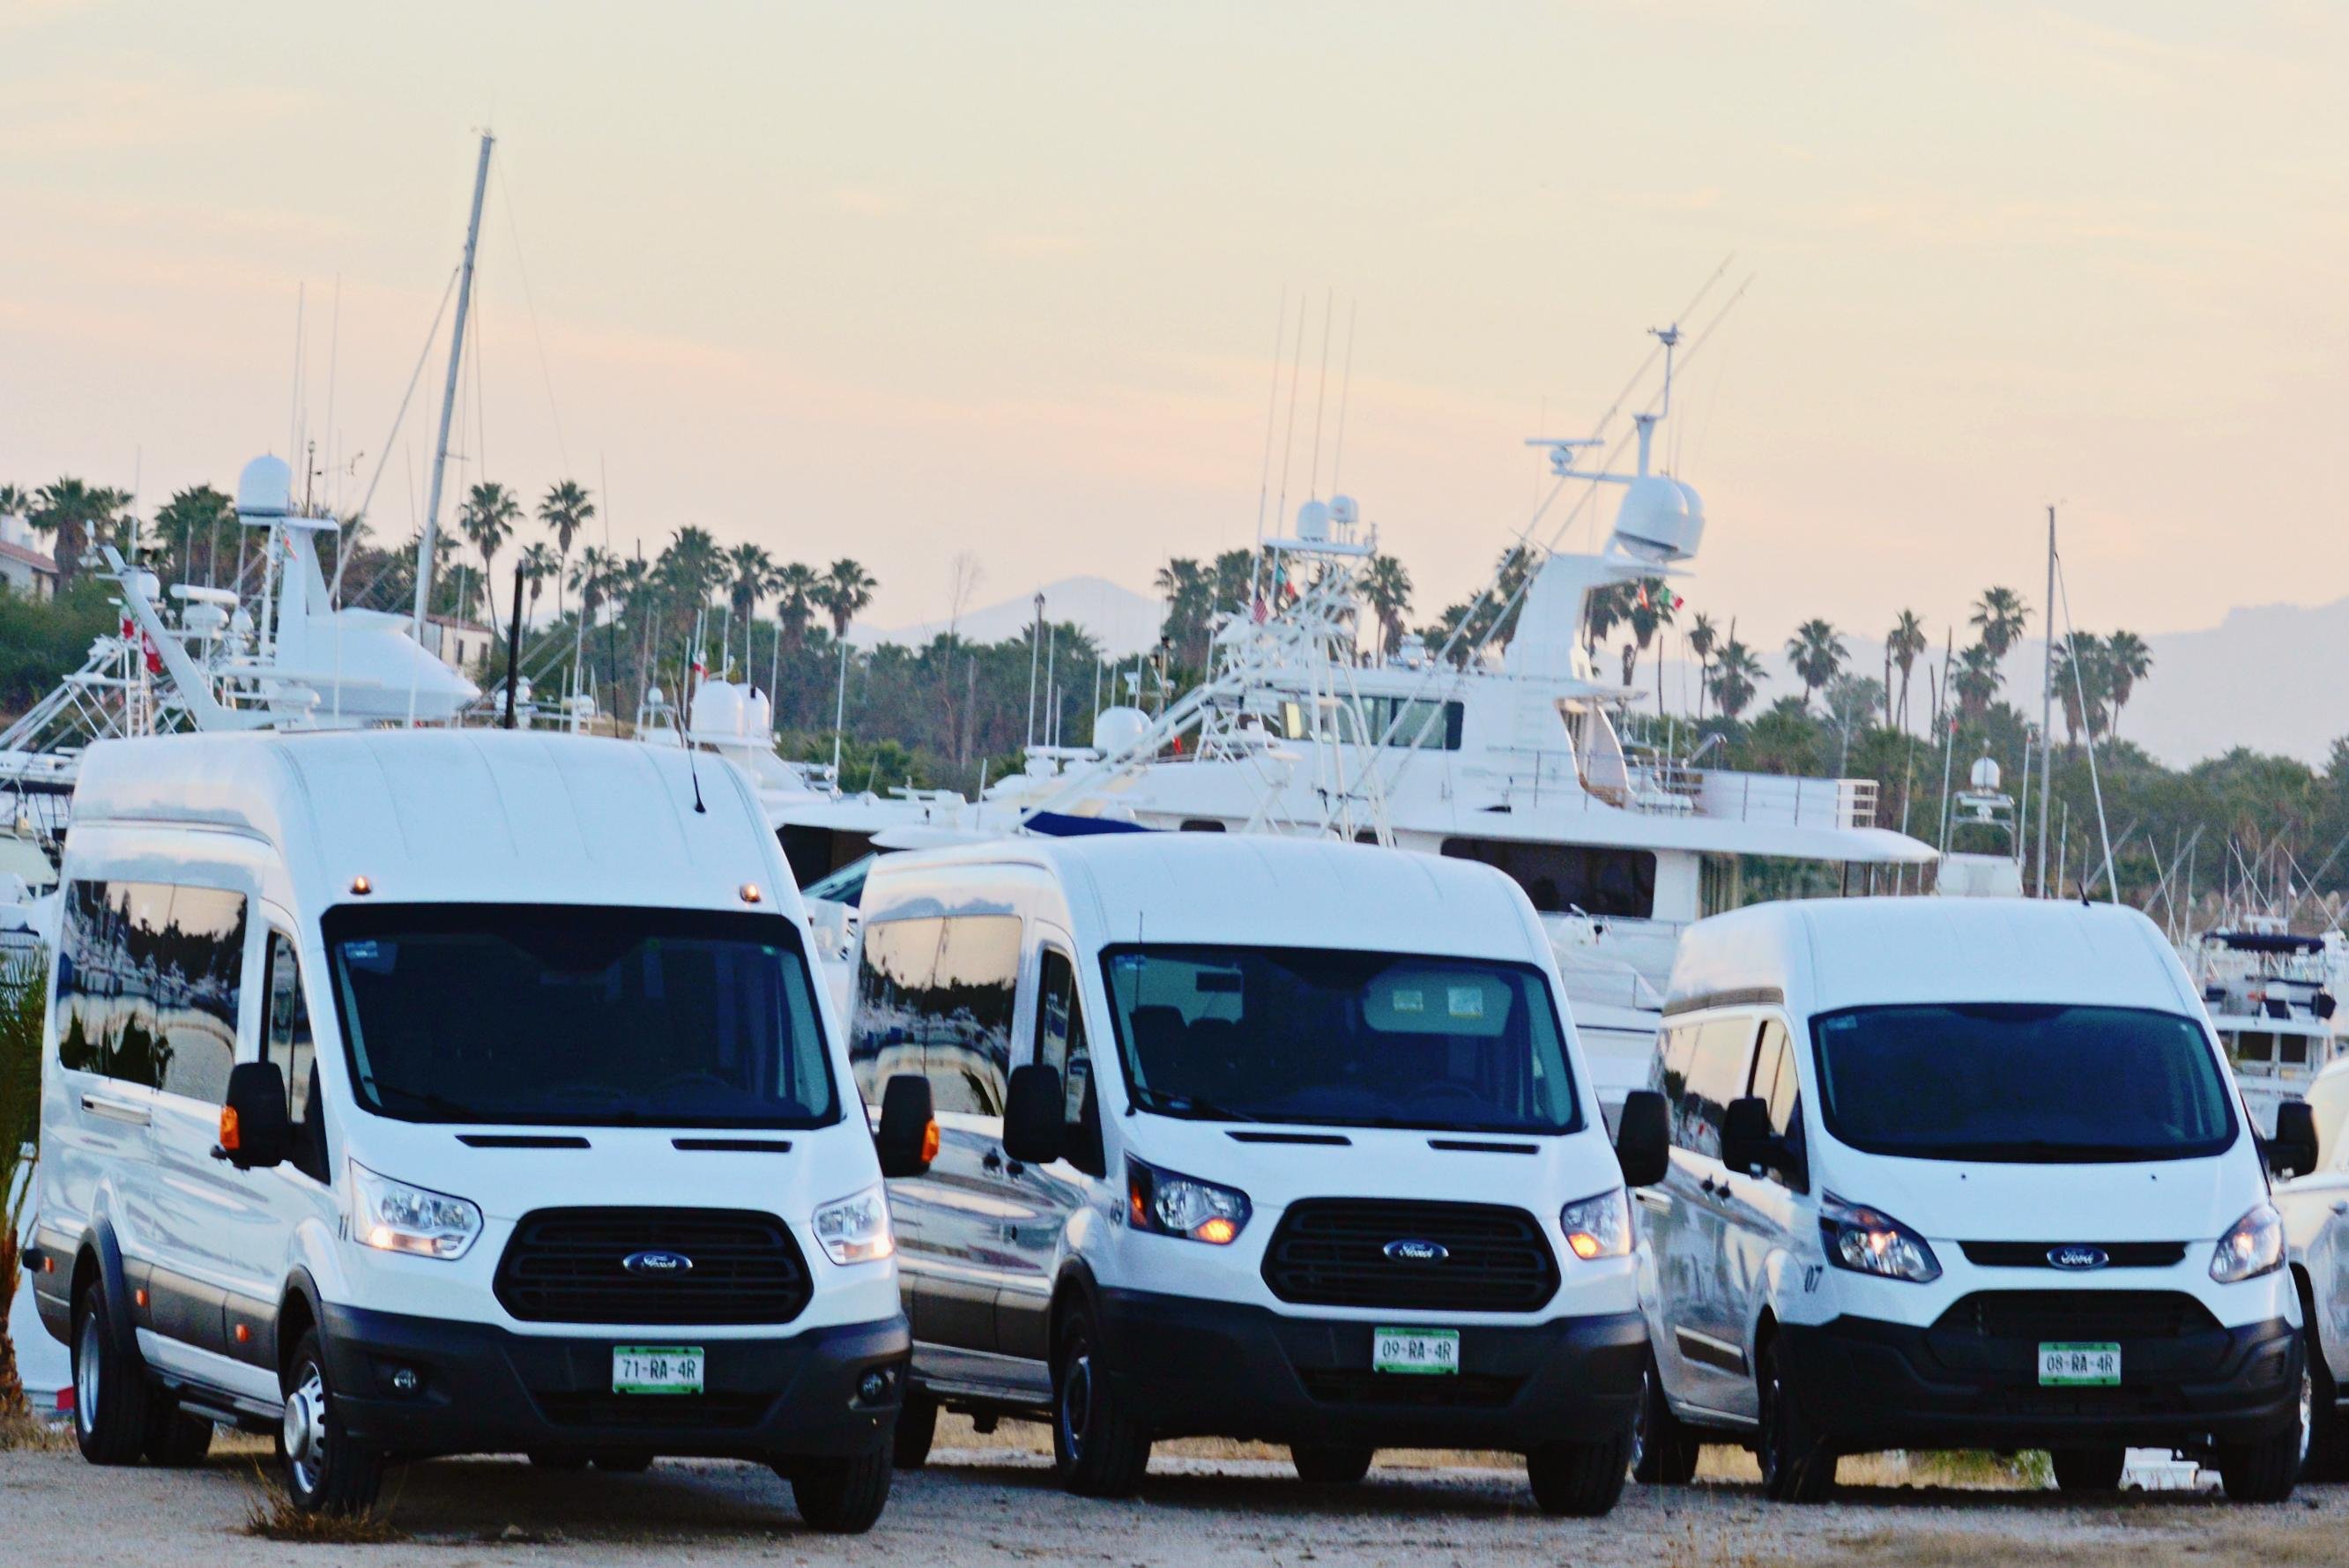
2020	1083
1342	1040
579	1016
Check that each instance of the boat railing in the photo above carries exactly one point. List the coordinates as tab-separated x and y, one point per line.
1664	787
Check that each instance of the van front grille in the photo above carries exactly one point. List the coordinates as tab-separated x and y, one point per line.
572	1265
1412	1256
2089	1315
2037	1254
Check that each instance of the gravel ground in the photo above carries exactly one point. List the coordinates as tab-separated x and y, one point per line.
998	1504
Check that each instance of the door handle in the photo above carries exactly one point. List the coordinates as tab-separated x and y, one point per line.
1656	1200
114	1109
2341	1206
991	1160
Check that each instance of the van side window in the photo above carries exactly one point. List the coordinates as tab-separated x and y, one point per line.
1060	1030
1775	1083
286	1031
1716	1075
935	997
148	982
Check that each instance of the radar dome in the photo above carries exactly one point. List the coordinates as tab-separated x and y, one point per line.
266	488
728	710
1660	519
1313	521
1986	776
1116	729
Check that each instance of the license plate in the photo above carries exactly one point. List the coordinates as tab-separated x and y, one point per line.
1420	1351
2065	1365
656	1369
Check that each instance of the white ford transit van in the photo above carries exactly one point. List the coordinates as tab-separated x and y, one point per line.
1959	1173
440	1092
1249	1136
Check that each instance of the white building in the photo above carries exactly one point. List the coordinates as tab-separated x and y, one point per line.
26	567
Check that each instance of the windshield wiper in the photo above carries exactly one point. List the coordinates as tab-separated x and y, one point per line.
1194	1108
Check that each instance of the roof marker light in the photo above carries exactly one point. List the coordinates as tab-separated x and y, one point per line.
750	892
361	887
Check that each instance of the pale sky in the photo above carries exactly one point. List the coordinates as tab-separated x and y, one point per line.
897	281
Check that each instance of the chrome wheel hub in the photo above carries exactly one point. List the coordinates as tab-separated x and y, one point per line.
1076	1400
306	1429
87	1352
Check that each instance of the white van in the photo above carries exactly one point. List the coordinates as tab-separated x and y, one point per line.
1248	1137
1959	1173
434	1092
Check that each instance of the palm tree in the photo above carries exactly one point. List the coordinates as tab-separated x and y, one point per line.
1189	592
2083	679
1904	642
1653	604
2127	660
591	578
691	566
538	565
750	572
1703	636
1817	651
488	518
1736	674
794	589
1386	588
2003	617
198	511
13	501
1976	680
844	593
74	513
566	509
1606	606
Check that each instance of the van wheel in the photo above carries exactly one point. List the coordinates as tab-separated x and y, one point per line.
2089	1470
1330	1464
1579	1481
558	1460
1099	1448
632	1461
1798	1466
326	1473
917	1428
841	1496
2328	1436
110	1394
2267	1471
174	1438
1664	1450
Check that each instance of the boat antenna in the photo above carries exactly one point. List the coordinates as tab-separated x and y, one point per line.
1345	393
2096	785
1271	419
2047	705
449	394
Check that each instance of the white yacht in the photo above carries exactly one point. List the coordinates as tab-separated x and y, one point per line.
2269	992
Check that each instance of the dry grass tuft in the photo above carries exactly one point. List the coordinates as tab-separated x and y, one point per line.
34	1434
274	1517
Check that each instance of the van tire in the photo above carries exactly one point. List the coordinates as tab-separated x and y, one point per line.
1330	1464
1798	1466
557	1460
1098	1447
111	1393
631	1461
1664	1450
917	1428
325	1472
842	1495
2266	1471
2089	1470
2328	1435
1580	1480
174	1438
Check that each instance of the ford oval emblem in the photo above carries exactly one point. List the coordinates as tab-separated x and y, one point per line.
657	1263
2078	1257
1417	1252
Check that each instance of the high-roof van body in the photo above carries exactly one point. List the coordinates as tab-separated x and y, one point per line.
1252	1136
1960	1173
444	1091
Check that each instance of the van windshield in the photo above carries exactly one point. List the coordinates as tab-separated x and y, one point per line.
2020	1083
579	1016
1340	1039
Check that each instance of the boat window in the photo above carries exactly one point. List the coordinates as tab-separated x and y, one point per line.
934	996
845	885
1563	878
1398	721
1335	1038
814	853
149	980
2026	1083
2292	1050
2253	1045
577	1016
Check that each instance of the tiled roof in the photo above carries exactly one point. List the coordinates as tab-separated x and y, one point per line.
32	558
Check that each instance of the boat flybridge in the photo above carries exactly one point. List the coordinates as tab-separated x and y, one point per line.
2270	994
1516	759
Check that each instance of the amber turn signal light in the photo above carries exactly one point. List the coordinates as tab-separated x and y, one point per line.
229	1136
930	1143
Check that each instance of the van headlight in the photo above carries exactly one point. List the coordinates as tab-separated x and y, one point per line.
1870	1242
2253	1245
855	1230
1168	1204
394	1217
1597	1227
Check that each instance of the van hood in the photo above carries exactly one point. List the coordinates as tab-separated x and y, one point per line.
1976	1200
1277	1165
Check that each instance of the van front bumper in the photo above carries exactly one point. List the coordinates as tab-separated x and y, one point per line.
1869	1385
479	1389
1204	1368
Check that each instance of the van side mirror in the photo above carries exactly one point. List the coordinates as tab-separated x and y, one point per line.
1034	1115
1748	1146
908	1136
256	1130
1644	1138
2294	1147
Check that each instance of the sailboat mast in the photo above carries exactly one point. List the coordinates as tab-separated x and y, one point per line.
2047	707
449	393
